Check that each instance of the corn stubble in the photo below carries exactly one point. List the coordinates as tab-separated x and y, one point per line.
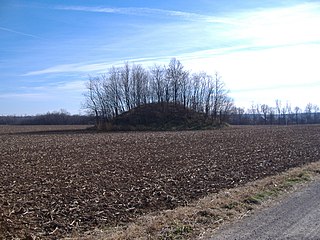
55	184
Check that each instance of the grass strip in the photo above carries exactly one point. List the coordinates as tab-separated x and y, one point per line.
201	218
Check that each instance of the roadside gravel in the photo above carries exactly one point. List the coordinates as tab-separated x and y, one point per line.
295	217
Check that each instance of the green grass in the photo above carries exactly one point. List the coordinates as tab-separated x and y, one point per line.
300	178
178	231
276	190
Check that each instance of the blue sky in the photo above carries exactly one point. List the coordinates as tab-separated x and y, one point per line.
264	50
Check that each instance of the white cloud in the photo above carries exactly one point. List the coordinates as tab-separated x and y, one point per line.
294	95
286	73
278	26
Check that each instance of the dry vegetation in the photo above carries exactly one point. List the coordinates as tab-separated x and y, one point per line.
56	183
201	218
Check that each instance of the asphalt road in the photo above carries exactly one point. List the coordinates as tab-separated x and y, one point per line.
295	217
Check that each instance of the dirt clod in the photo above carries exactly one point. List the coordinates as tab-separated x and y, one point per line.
54	184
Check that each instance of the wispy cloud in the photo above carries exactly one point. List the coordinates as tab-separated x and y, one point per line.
100	67
65	68
48	91
150	12
31	96
271	26
19	33
257	33
103	66
73	86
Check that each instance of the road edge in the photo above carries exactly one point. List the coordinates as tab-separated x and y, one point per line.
202	218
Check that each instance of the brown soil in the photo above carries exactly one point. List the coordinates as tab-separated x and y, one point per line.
55	183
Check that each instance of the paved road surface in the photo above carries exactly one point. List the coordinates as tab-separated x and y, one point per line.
296	217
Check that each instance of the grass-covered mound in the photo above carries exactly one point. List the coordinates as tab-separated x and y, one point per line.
160	116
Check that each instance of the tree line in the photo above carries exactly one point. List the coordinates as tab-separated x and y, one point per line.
129	86
61	117
279	114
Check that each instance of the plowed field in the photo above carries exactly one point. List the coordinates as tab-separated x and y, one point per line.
55	182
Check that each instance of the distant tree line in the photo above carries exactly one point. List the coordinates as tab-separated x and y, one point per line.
124	88
51	118
280	114
129	86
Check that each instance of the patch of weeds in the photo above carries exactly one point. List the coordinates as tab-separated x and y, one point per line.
300	178
206	217
176	232
230	206
261	196
204	213
289	182
305	176
181	230
251	200
264	195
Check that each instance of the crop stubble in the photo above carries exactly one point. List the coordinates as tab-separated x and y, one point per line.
53	183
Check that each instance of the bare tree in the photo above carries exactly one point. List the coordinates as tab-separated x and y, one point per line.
140	85
253	112
278	107
239	113
265	110
315	113
219	97
97	100
286	110
308	112
157	78
227	105
123	88
175	75
185	89
272	115
91	102
198	83
207	91
126	85
264	114
297	112
112	86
